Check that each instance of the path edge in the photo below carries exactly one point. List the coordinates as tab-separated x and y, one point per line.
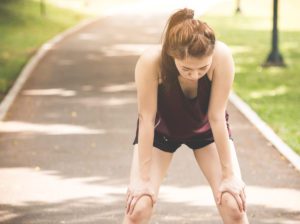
244	108
26	71
265	130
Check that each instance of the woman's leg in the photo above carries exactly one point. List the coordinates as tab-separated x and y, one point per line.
208	160
160	163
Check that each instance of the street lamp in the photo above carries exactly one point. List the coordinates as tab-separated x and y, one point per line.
238	7
274	58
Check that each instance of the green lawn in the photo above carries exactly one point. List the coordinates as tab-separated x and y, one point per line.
273	93
23	30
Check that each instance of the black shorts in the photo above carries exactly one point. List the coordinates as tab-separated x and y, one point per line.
170	145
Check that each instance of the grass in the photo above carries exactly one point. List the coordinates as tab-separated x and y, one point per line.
273	93
23	30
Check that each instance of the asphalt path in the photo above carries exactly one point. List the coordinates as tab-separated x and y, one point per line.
66	142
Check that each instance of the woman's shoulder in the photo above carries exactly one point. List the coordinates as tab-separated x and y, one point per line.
221	52
152	55
150	58
221	49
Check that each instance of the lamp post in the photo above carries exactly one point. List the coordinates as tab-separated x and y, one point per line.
274	57
238	7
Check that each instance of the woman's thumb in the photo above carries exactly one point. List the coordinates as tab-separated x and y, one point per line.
219	195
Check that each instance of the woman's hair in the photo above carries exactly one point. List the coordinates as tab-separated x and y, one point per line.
183	36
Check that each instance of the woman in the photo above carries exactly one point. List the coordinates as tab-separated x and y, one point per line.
182	91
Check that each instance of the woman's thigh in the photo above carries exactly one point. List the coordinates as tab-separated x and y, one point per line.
159	166
209	162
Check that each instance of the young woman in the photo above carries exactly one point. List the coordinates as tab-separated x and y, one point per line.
182	91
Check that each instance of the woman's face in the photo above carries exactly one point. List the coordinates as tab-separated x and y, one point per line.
192	68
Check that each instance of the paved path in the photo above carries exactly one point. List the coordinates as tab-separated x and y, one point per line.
65	145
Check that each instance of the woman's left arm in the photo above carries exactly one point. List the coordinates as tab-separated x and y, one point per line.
223	76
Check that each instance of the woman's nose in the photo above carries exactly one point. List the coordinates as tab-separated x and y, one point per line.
195	75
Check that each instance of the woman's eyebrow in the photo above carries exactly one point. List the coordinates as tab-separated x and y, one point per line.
198	68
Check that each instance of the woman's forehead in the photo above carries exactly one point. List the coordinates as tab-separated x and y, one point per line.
194	62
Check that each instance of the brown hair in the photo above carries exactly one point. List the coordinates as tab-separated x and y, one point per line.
183	36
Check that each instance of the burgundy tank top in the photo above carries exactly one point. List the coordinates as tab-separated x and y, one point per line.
179	117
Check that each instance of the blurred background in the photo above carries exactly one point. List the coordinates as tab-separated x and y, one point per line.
245	25
65	145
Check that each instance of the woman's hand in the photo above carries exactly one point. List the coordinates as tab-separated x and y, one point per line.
236	187
135	191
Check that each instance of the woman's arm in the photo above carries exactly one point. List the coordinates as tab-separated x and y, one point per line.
146	80
222	80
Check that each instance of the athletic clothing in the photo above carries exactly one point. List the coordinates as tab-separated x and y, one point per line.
170	145
182	120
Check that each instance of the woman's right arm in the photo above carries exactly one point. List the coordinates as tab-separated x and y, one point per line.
146	80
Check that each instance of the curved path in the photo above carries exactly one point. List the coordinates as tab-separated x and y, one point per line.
65	144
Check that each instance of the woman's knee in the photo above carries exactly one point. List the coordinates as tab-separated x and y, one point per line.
231	206
142	210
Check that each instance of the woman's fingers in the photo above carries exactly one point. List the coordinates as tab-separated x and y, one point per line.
239	201
127	195
219	197
236	188
244	191
129	203
132	204
153	197
134	199
243	197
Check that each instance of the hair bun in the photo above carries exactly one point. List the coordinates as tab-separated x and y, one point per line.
189	13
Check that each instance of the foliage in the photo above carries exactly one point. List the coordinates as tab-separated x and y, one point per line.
23	30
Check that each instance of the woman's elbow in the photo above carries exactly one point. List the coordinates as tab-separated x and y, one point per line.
146	118
215	118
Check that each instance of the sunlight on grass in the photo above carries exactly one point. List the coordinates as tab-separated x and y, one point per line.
273	92
19	19
288	13
259	94
240	49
